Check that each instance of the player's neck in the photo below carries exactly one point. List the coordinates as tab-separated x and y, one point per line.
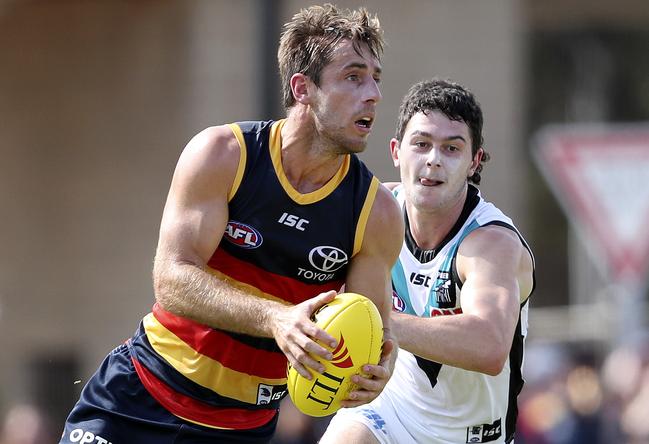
430	228
306	161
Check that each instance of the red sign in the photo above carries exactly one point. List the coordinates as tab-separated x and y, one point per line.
600	175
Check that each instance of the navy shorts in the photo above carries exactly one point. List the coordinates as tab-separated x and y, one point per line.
115	408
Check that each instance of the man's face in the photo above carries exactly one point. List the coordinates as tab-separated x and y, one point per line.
435	161
344	105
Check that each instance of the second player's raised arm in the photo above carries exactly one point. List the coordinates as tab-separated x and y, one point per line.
496	270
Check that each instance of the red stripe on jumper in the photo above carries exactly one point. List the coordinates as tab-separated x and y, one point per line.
223	348
193	410
283	287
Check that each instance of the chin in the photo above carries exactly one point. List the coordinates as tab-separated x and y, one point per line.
358	148
353	147
425	200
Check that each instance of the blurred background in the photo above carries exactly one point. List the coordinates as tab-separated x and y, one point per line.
98	98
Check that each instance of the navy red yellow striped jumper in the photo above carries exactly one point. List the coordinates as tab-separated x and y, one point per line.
279	244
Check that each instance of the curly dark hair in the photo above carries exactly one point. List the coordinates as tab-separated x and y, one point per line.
309	39
451	99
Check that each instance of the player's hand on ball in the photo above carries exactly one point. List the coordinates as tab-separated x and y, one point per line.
375	379
296	334
356	322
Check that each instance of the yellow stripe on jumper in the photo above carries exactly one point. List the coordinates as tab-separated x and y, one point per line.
365	215
308	198
243	156
201	369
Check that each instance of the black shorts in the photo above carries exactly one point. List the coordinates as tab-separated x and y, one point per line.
115	408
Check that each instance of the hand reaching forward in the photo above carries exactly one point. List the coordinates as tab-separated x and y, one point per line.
295	334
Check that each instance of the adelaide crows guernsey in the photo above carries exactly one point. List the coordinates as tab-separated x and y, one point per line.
278	244
440	403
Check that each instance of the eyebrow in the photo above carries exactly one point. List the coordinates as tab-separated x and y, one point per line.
361	66
430	136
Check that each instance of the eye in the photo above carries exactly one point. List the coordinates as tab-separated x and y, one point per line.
421	144
353	77
377	79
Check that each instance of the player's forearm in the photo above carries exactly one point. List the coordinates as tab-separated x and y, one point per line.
188	291
462	341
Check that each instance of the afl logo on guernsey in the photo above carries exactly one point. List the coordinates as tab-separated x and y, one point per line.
397	303
242	235
327	259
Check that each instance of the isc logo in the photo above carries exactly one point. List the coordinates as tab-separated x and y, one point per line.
484	432
420	279
268	393
242	235
291	220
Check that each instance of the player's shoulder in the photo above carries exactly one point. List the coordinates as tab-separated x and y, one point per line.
386	206
494	228
385	224
213	140
214	147
492	239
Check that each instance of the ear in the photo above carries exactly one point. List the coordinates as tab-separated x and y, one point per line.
476	161
394	151
299	87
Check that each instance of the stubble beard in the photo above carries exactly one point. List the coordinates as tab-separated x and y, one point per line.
333	136
338	143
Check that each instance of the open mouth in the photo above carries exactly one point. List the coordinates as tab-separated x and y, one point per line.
364	122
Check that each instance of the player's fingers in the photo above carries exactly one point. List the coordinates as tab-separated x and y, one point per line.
311	329
303	369
311	305
387	349
297	365
306	360
306	335
374	371
323	298
358	397
367	384
322	336
316	349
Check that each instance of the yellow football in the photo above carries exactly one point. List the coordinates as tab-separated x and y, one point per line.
356	324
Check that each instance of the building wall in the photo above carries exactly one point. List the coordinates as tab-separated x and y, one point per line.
97	100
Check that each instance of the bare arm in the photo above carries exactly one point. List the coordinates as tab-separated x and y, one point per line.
496	270
369	275
193	223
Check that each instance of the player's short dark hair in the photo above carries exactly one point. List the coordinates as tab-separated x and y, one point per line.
451	99
309	39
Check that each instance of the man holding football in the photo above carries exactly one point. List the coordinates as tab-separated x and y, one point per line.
263	223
